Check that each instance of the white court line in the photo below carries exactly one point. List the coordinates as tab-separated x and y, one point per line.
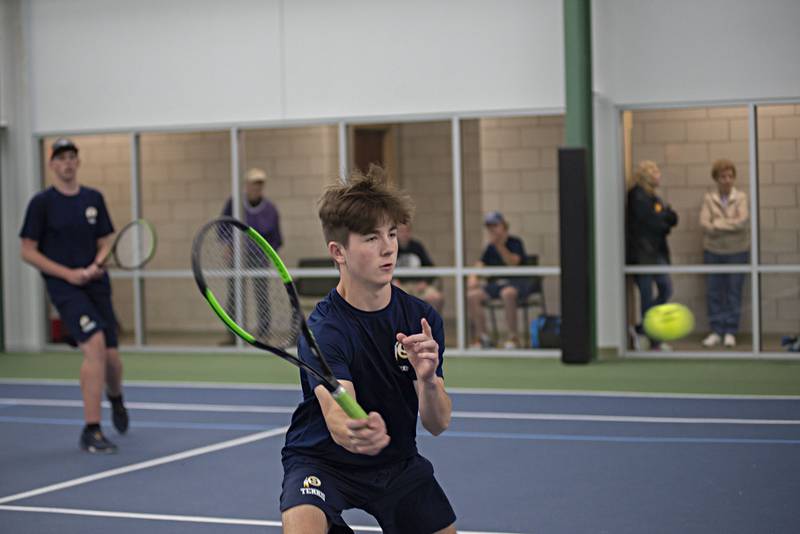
464	391
147	464
623	418
163	406
240	408
190	518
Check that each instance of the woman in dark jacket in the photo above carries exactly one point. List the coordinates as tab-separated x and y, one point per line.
649	220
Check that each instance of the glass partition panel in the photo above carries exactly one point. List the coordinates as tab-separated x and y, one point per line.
779	183
176	314
185	180
510	165
720	302
418	158
780	310
296	164
684	144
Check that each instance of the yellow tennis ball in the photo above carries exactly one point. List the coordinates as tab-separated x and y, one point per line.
668	322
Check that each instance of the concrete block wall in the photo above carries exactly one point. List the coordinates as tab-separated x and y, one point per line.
300	163
425	171
519	177
779	183
779	207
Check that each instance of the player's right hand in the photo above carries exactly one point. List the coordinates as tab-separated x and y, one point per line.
367	436
78	276
95	271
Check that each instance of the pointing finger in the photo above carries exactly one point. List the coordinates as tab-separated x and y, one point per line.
426	328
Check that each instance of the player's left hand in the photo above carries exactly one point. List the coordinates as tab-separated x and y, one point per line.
423	352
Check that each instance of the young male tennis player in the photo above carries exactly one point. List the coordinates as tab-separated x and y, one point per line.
386	348
66	231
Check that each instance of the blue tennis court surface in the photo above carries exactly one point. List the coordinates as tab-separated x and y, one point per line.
207	459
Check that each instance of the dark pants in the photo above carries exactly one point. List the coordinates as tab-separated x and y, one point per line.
724	292
645	282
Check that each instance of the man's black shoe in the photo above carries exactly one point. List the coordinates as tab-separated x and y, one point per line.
95	442
119	415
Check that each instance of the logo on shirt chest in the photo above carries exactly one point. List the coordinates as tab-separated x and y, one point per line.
91	215
401	357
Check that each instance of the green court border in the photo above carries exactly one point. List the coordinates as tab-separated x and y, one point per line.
723	377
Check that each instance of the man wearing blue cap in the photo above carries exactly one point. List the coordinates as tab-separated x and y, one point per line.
503	250
66	233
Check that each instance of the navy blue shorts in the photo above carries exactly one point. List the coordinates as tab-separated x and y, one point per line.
494	287
86	310
404	497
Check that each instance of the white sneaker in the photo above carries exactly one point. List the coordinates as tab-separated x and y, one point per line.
663	347
712	340
730	341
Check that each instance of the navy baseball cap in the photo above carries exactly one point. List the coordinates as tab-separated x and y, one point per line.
62	144
494	217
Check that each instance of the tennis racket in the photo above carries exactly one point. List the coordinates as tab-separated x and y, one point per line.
133	246
227	257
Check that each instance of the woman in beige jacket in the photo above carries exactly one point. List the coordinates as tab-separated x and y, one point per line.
725	219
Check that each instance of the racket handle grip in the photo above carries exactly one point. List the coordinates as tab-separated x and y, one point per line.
348	404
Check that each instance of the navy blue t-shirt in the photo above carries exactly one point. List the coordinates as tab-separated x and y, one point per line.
67	228
492	257
362	347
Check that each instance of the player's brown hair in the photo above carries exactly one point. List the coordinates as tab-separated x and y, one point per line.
361	205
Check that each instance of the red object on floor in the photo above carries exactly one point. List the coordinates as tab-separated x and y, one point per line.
56	330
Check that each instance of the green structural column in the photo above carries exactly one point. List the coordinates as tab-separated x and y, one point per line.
578	68
579	123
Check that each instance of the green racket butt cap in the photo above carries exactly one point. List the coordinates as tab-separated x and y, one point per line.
348	404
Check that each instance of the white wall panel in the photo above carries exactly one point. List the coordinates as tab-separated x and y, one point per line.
112	63
651	51
364	57
109	64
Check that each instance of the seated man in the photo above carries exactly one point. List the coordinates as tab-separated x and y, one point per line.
411	253
503	249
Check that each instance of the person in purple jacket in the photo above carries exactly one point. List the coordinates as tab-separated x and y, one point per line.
261	214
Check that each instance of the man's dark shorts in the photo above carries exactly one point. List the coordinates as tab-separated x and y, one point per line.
404	497
522	286
86	310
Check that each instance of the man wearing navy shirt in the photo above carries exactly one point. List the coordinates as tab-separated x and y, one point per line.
386	348
503	249
66	233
